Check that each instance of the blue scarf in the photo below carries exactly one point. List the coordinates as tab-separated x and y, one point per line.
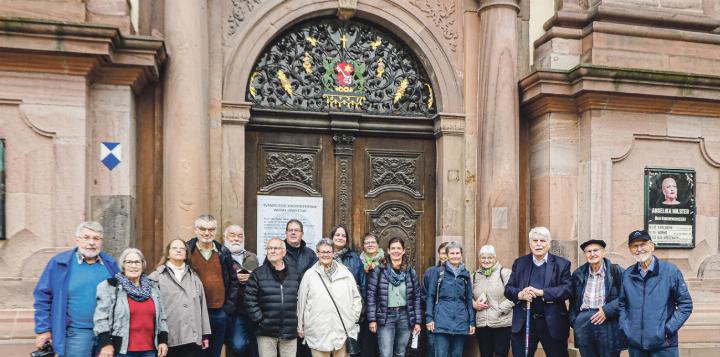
455	271
396	278
137	293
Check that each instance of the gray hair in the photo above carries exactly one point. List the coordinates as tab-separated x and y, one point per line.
204	218
322	242
541	231
453	245
91	225
487	249
126	252
228	228
275	238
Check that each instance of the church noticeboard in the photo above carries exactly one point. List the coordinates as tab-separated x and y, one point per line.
670	207
273	213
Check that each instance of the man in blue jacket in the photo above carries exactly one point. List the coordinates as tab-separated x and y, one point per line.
543	279
654	301
594	303
65	294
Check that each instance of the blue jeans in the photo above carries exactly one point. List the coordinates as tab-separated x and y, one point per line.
151	353
447	344
592	339
430	344
393	337
80	342
665	352
241	337
219	322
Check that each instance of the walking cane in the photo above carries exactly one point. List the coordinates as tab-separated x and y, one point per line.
527	328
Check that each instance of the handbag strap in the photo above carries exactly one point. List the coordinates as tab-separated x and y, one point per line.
333	301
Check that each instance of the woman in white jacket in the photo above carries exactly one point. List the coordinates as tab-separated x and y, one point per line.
318	319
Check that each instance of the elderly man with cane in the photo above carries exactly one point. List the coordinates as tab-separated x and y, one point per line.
542	280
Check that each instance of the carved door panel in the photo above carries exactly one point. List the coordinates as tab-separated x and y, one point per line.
394	194
287	164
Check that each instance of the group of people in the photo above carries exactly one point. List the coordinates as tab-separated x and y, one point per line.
204	295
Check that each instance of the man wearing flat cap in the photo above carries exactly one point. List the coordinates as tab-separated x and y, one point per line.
654	301
594	303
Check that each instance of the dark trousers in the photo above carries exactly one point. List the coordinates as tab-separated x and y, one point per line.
538	333
448	344
592	339
368	341
241	337
493	342
302	349
219	321
186	350
665	352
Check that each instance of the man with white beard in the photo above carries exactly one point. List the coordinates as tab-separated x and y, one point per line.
65	294
654	301
241	337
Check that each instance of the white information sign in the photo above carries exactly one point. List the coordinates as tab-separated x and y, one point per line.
273	213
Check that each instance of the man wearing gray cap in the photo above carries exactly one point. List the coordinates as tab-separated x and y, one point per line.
654	301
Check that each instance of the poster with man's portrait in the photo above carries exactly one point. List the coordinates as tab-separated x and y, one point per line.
670	207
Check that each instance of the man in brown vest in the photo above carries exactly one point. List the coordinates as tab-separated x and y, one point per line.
213	263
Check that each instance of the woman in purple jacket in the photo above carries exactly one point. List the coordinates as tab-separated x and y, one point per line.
393	301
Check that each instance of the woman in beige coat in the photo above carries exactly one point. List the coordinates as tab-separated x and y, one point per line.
318	320
183	297
493	316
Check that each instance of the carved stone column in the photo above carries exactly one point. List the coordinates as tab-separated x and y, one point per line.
498	129
186	123
343	179
235	117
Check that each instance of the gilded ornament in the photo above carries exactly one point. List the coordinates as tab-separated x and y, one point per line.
375	44
343	39
430	98
400	91
312	40
253	91
284	82
307	63
380	68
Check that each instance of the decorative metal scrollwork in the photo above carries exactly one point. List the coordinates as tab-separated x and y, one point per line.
349	66
395	219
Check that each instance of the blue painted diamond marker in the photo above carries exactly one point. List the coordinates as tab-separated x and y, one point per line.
110	154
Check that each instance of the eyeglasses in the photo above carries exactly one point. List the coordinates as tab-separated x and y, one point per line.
270	249
206	229
370	242
236	235
132	262
294	230
90	238
182	249
593	251
325	252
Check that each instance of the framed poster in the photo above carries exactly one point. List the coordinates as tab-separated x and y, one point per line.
670	207
273	213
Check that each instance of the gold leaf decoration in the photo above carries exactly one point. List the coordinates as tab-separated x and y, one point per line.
375	44
400	91
380	68
253	91
285	82
307	63
430	98
312	40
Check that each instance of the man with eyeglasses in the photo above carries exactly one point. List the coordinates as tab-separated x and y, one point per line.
654	301
271	302
213	263
594	303
65	294
298	253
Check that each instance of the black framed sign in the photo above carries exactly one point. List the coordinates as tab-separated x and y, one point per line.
670	207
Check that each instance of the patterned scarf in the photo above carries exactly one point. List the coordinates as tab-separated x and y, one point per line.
396	277
137	293
337	256
331	270
369	263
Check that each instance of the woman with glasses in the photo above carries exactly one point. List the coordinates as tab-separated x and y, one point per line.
493	316
449	311
129	316
329	305
183	298
393	301
344	253
371	257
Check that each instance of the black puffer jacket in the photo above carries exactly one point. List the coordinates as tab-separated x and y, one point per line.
377	296
232	285
302	258
272	304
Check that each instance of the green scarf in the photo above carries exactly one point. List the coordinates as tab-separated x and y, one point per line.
487	272
369	263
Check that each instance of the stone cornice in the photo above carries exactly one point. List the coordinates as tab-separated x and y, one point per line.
593	87
99	52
